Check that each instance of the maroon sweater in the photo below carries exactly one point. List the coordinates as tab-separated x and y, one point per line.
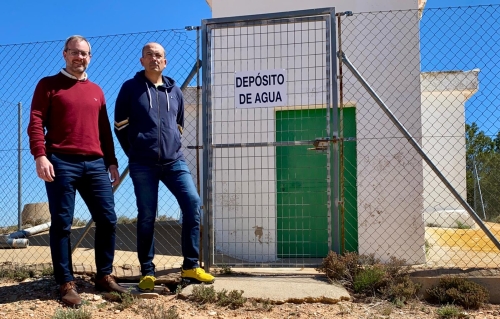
74	116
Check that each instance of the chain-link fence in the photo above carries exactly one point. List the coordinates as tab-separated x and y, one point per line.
115	59
416	138
438	75
415	133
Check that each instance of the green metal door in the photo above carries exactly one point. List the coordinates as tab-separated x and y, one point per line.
302	211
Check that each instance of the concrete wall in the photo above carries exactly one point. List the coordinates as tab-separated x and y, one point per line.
443	128
384	47
390	178
228	8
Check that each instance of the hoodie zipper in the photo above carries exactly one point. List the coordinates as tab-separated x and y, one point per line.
159	124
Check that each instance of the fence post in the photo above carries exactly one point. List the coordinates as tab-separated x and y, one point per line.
19	165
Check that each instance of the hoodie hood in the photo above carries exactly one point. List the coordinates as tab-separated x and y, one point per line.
168	84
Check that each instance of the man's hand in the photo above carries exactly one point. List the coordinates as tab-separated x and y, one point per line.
115	175
44	169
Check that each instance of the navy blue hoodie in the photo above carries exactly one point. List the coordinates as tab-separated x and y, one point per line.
149	120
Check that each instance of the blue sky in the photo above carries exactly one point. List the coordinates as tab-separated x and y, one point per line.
35	22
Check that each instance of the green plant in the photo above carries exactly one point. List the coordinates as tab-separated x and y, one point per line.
233	300
400	289
225	270
450	311
178	290
202	294
49	271
161	312
81	313
428	247
126	300
262	305
7	230
85	302
34	222
102	305
461	225
365	274
126	220
345	309
460	291
386	310
496	219
432	225
398	286
340	268
164	218
77	222
17	273
369	279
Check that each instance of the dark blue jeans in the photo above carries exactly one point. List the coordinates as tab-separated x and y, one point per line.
88	176
177	178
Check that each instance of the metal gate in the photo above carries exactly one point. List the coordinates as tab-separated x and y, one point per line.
269	91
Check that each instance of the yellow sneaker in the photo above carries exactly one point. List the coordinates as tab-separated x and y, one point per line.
197	275
147	283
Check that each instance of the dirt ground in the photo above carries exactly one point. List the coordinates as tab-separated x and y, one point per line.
38	298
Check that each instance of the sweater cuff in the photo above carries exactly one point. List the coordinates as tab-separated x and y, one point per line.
111	161
38	151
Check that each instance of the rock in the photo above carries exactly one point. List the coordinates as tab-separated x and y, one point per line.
212	313
97	297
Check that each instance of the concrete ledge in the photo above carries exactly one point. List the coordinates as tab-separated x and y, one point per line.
449	81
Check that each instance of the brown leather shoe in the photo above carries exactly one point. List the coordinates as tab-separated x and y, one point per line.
108	283
69	295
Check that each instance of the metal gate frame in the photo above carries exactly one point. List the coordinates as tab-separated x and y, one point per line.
329	142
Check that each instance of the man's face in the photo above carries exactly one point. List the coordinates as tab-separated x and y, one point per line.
77	57
153	58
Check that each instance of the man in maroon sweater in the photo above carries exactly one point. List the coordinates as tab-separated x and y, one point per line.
70	139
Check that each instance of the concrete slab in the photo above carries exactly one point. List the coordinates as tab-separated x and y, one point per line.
280	289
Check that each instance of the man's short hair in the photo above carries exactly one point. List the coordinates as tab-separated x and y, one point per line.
78	38
147	44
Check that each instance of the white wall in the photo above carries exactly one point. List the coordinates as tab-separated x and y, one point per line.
228	8
443	126
390	173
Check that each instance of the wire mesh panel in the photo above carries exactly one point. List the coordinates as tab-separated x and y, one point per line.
114	60
267	98
438	75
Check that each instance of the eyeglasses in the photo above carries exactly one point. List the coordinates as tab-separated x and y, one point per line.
76	53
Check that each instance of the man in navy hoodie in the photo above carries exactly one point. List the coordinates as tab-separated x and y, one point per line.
149	120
